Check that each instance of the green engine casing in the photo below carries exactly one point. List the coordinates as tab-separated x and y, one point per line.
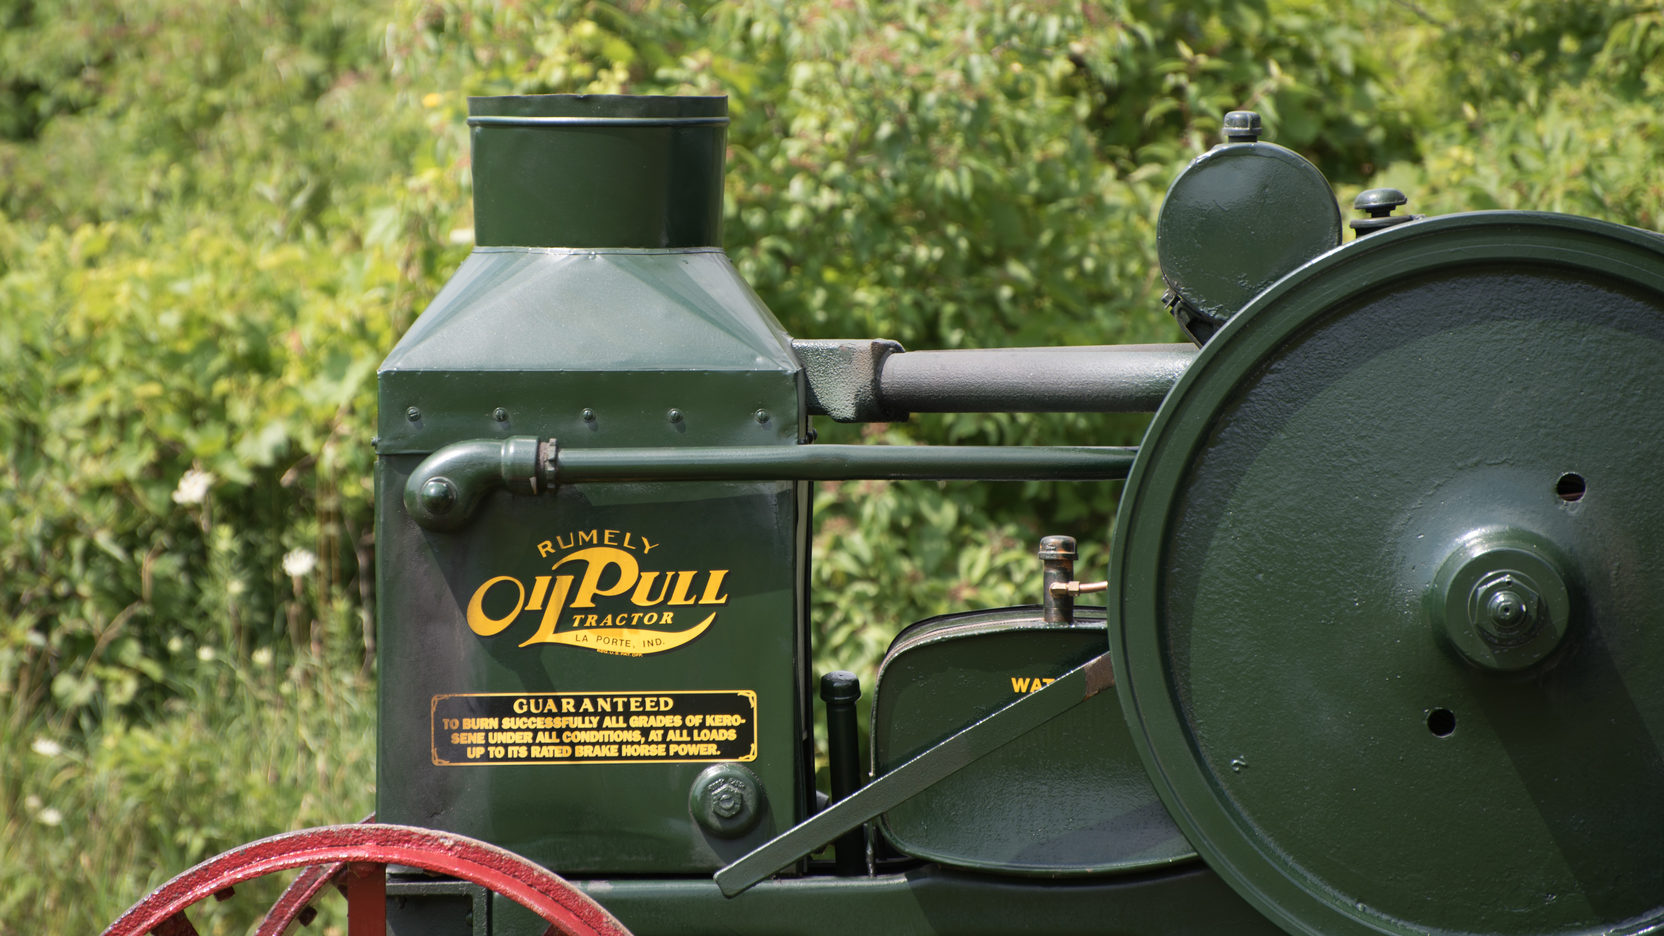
556	673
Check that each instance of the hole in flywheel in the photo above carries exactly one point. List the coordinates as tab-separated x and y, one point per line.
1570	487
1441	721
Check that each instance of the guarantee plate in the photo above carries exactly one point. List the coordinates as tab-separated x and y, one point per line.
499	728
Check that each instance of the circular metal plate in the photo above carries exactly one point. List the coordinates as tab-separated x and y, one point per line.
1237	219
1323	745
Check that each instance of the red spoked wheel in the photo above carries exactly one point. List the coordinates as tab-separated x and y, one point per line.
356	856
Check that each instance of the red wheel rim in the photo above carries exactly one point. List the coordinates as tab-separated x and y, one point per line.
564	907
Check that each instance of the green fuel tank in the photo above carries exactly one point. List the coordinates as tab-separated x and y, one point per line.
563	671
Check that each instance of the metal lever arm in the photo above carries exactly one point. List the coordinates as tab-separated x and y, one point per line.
914	776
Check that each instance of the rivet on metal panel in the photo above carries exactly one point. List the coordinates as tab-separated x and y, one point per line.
761	416
674	415
500	414
413	414
588	415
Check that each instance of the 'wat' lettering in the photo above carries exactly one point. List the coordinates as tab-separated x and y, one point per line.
1030	683
631	606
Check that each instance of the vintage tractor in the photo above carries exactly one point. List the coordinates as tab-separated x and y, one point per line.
1385	584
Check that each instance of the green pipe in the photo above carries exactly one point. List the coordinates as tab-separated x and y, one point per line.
846	463
448	486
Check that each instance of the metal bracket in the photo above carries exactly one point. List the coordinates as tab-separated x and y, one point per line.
842	377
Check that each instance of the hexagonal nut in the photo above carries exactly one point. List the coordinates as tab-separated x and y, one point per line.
1497	591
1502	564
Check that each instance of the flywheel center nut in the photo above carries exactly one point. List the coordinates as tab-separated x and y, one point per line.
1501	599
1506	607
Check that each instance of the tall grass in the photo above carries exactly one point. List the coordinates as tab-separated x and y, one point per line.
247	749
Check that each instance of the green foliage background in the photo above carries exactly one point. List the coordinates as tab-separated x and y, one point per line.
215	218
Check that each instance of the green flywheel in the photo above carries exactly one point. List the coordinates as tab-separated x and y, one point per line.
1387	598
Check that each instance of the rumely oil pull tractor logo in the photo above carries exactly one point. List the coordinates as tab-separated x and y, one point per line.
650	614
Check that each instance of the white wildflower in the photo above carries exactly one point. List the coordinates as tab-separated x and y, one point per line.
31	802
299	562
49	816
193	487
262	657
205	654
46	747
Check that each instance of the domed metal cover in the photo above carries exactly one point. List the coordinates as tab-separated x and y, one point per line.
1426	393
1239	218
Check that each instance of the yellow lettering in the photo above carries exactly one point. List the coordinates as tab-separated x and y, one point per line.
641	598
684	581
1019	684
712	587
540	588
600	559
481	623
609	570
551	614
